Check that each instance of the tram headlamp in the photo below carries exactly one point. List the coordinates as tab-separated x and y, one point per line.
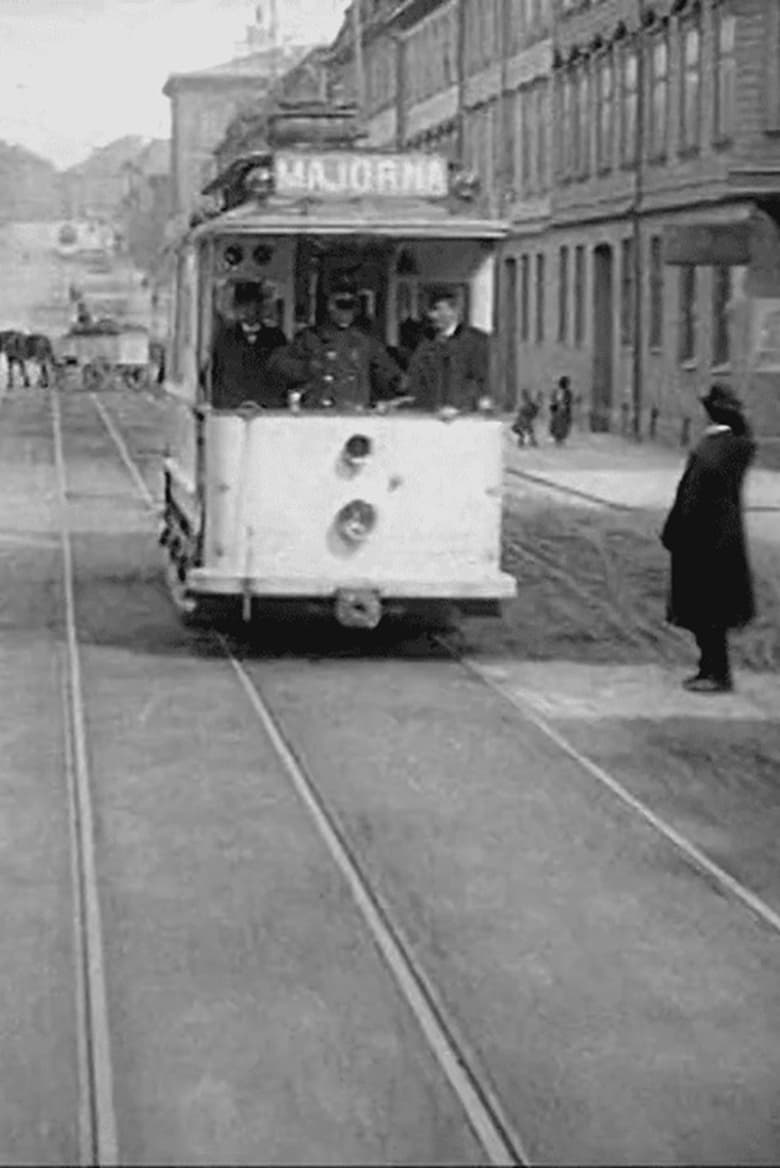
357	450
356	521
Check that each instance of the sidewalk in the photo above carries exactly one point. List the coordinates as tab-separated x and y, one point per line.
628	474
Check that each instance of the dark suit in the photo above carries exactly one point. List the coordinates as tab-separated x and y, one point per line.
341	366
711	583
239	367
451	371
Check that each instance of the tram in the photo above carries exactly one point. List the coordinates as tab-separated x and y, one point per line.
364	509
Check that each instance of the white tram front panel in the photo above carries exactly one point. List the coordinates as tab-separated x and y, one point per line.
275	485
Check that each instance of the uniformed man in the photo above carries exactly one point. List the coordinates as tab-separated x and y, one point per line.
241	352
449	372
336	363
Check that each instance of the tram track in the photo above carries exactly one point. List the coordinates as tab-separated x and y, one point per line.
97	1120
502	1145
461	1065
694	855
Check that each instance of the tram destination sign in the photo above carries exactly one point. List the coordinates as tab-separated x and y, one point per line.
348	174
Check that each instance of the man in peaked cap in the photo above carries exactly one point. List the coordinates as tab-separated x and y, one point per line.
711	584
241	352
336	364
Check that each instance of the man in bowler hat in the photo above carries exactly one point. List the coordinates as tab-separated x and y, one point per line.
449	373
241	351
711	584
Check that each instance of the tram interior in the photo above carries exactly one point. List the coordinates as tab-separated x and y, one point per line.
394	280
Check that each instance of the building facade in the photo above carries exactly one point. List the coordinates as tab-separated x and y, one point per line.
634	147
203	104
663	230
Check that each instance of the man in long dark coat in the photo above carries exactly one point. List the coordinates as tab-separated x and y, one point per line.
711	584
241	353
449	372
337	364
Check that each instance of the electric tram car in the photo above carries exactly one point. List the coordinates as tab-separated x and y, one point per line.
365	511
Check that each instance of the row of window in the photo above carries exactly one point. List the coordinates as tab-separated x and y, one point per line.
574	297
492	25
598	96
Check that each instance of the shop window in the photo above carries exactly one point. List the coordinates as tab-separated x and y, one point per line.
525	295
563	295
540	298
686	348
627	292
579	296
656	323
721	295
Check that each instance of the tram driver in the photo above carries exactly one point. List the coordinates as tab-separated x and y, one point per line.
449	372
337	363
241	352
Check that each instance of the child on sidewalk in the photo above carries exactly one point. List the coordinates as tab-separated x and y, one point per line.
524	422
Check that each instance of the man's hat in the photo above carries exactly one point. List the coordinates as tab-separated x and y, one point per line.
722	399
247	292
343	286
442	292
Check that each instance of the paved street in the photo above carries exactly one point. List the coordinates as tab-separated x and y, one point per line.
622	1005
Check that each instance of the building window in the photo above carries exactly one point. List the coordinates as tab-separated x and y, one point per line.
583	88
725	77
659	81
605	113
656	324
627	292
565	127
525	293
540	94
540	306
691	87
628	142
687	339
579	296
526	97
721	295
563	295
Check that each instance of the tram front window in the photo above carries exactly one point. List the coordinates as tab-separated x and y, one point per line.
242	349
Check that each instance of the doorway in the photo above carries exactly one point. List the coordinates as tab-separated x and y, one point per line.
509	329
603	339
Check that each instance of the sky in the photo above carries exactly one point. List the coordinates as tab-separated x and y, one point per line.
76	74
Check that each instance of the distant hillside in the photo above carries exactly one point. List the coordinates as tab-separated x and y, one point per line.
95	186
30	187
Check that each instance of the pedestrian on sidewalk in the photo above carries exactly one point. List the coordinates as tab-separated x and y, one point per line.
560	411
711	583
524	422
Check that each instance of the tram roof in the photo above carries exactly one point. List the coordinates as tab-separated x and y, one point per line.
396	218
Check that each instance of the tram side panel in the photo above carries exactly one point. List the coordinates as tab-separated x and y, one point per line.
278	491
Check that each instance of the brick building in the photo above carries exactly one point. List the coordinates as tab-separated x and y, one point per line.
666	117
202	106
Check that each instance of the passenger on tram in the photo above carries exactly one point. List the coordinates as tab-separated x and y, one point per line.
336	363
449	372
241	352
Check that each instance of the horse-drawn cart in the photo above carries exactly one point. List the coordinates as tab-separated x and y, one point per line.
106	353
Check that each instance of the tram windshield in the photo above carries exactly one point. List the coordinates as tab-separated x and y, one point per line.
338	322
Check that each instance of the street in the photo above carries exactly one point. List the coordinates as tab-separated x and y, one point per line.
611	999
